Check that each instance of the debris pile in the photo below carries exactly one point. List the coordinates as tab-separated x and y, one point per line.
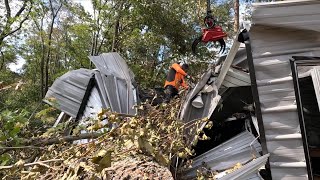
141	146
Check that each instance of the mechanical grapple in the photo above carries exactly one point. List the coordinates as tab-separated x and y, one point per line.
212	32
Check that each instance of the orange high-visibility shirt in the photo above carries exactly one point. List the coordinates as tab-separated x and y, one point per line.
176	76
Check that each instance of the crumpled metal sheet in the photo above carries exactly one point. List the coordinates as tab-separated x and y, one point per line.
247	171
239	149
228	77
210	100
83	93
67	92
236	78
116	82
112	64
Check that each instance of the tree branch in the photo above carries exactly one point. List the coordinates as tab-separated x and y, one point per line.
6	2
19	27
41	163
21	9
57	140
21	22
20	147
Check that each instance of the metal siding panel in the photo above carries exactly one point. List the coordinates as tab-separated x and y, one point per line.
131	99
236	77
122	90
254	177
281	123
279	102
272	48
289	173
111	88
101	90
289	150
299	14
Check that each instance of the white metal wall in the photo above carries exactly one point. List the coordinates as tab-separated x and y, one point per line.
273	44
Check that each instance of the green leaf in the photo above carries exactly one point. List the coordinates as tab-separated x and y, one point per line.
4	159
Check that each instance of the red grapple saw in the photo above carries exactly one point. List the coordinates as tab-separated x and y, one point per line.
212	32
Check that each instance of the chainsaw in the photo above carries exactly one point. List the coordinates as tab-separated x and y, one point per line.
212	32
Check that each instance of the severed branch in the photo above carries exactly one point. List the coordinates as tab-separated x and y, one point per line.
57	140
20	147
41	163
36	143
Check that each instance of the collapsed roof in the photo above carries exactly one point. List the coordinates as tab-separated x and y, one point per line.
83	92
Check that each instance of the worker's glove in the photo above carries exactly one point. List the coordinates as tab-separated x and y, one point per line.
188	77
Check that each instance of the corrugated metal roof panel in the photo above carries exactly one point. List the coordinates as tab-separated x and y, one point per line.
248	170
239	149
67	92
112	64
115	81
236	78
255	176
113	88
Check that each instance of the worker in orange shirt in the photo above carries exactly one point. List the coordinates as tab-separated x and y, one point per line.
175	79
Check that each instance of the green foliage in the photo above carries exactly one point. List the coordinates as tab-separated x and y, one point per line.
12	123
25	98
47	114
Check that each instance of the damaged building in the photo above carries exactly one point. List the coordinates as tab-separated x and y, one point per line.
83	93
280	108
263	97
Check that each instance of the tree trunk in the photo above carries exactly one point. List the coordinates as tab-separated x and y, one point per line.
236	15
2	59
54	15
114	46
115	34
42	73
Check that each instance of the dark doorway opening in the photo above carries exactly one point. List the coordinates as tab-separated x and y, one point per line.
304	71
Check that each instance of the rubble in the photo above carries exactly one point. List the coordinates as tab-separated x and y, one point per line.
138	146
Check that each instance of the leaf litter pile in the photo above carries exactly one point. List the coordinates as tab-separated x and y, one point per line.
146	146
